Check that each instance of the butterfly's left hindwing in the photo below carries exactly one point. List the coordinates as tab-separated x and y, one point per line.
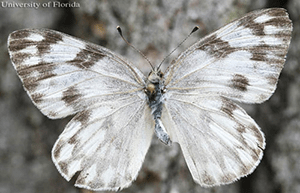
107	144
107	140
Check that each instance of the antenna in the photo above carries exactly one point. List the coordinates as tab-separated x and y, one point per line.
194	29
120	32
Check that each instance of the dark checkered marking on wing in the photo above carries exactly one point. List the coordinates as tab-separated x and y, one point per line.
32	75
71	96
57	150
64	167
228	107
87	57
239	82
279	20
216	47
18	58
83	117
219	48
259	137
19	42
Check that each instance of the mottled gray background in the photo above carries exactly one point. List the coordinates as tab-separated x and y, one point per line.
155	27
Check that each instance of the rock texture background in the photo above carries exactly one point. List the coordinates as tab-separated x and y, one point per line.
155	27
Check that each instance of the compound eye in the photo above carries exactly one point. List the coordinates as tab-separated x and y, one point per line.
160	74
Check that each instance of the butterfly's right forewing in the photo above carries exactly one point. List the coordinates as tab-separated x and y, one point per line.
64	75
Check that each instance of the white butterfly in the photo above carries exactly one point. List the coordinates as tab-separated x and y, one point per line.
117	108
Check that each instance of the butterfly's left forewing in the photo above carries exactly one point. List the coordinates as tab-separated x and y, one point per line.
241	61
107	139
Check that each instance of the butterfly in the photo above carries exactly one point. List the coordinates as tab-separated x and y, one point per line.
117	108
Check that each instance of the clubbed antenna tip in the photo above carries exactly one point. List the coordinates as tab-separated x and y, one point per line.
194	29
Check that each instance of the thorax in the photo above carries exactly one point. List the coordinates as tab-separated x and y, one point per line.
154	91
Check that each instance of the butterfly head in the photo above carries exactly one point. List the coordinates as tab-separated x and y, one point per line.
155	76
154	81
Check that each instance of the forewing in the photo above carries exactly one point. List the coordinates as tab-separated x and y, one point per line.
106	145
64	75
240	61
219	141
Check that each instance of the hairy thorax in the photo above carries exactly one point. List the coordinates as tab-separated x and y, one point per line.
155	92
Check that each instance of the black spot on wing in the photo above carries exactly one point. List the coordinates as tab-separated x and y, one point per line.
259	56
228	107
95	184
41	71
272	79
63	167
87	57
239	82
277	12
30	84
72	139
248	21
259	136
50	37
228	177
57	150
32	75
18	57
19	34
83	117
268	54
52	114
19	42
256	28
37	97
241	129
71	96
216	47
280	19
208	179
